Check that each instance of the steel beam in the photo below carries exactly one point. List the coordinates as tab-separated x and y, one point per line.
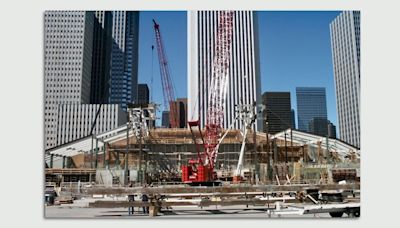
185	189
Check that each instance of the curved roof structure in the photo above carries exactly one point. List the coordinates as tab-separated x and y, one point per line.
303	138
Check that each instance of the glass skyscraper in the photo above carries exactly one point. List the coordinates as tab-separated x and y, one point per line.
124	58
278	112
311	103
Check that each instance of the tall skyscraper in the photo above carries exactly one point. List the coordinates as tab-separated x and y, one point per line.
68	48
277	111
102	43
345	40
244	85
143	94
311	103
124	58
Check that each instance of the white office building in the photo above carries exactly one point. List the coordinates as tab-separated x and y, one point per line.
345	40
75	121
68	43
244	85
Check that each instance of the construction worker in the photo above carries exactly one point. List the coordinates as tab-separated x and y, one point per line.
131	198
145	198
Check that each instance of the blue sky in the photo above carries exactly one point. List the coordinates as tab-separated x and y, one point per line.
294	51
173	29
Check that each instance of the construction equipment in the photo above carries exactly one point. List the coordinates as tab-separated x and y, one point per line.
247	115
166	80
201	170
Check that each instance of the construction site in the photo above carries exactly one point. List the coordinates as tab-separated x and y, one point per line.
140	170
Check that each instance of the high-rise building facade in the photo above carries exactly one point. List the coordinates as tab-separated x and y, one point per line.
181	112
293	120
143	94
332	130
244	85
75	121
124	58
165	119
318	126
68	44
345	40
278	112
311	103
102	43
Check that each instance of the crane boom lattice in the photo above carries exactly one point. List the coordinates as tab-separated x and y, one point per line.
202	169
218	88
166	80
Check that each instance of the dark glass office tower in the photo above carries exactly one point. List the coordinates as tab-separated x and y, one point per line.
101	57
143	94
278	112
124	58
311	103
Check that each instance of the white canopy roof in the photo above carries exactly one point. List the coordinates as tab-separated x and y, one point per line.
304	138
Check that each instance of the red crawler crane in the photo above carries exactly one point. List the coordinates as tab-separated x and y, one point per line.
202	169
168	89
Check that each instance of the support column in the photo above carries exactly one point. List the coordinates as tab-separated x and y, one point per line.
286	158
97	152
140	175
269	165
91	154
327	154
127	152
106	156
291	145
63	162
117	160
51	160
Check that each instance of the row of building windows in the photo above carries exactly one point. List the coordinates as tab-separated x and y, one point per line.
72	44
52	27
65	14
70	37
58	53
